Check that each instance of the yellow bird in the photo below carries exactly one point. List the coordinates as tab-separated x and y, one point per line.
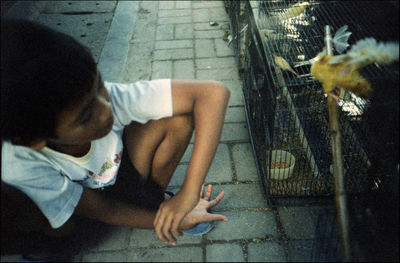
283	64
294	11
342	71
270	22
341	76
367	51
270	35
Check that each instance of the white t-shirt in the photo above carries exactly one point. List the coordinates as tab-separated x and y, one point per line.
55	181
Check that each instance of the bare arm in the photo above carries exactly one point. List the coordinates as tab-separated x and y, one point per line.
95	206
207	102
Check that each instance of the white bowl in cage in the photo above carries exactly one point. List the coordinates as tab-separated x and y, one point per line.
282	165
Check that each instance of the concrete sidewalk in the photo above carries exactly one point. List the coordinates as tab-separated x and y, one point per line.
134	40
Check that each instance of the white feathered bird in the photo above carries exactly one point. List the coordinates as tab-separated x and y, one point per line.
342	71
367	51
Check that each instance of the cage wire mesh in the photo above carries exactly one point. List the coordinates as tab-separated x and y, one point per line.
288	110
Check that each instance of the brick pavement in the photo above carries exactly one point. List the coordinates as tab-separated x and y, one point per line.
134	40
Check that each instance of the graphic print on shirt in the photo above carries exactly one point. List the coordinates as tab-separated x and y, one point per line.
107	172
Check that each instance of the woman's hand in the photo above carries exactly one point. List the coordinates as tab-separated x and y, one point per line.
197	215
171	213
200	211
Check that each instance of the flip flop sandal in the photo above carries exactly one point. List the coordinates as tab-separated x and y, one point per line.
200	229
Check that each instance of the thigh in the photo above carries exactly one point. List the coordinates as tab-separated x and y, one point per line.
157	142
141	142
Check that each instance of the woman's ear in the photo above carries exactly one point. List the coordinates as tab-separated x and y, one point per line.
36	144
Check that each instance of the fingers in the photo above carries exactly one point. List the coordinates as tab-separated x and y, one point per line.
166	230
208	193
214	202
157	218
175	228
214	217
162	227
217	217
158	223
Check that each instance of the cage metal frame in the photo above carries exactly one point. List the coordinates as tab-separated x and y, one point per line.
277	104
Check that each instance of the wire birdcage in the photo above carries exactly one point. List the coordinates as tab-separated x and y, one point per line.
287	111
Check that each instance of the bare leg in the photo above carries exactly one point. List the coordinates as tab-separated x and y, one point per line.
155	148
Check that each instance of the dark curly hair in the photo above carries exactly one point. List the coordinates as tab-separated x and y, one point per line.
42	73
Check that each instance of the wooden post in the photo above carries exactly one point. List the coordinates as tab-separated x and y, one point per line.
338	171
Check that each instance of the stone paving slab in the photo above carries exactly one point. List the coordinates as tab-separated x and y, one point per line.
79	7
226	252
182	4
105	237
172	44
174	4
148	6
211	26
145	26
183	69
174	13
209	34
268	251
300	250
244	162
219	172
183	31
166	5
208	4
90	30
223	49
201	15
236	98
245	224
204	48
165	32
115	52
235	132
188	153
218	14
170	254
239	196
293	217
174	20
218	74
142	238
215	63
138	66
107	256
10	258
29	10
172	54
161	69
235	114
